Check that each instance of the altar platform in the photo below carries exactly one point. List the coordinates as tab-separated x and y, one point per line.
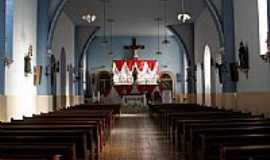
134	100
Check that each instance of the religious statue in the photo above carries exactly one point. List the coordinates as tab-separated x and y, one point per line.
244	58
27	61
135	75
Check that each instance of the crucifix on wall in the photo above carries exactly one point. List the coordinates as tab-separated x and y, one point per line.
134	47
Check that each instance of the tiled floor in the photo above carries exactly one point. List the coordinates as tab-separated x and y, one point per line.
135	137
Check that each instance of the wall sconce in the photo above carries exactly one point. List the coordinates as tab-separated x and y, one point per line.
8	61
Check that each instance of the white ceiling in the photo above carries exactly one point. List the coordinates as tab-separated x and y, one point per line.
132	17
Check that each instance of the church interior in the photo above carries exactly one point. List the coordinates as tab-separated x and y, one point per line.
134	79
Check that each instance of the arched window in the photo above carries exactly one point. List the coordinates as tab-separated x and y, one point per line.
166	82
207	75
104	83
263	25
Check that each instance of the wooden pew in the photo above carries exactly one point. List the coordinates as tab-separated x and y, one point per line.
242	152
48	151
84	128
195	134
116	108
183	126
201	115
79	138
210	146
61	115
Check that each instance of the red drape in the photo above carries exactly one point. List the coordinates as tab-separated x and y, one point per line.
140	64
119	64
130	63
146	88
151	64
120	89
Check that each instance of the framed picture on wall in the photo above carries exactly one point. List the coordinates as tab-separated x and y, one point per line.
37	75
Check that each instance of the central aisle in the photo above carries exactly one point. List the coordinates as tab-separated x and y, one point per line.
135	137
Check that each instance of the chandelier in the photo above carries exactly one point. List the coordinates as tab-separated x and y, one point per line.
111	21
183	16
105	41
89	18
158	20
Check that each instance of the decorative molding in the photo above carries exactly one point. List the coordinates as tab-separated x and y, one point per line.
87	44
217	19
53	21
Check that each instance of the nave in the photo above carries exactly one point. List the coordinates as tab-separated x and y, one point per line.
137	137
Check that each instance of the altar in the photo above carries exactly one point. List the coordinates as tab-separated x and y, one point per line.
134	78
134	100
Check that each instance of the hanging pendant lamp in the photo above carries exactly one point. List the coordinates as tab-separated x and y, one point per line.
104	41
183	15
158	20
165	16
111	21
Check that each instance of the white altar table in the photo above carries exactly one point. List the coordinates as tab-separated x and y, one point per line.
134	99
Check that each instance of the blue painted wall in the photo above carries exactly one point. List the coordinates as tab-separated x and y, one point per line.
2	46
6	37
171	55
9	27
42	46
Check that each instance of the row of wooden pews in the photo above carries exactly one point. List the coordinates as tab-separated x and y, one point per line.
209	133
78	132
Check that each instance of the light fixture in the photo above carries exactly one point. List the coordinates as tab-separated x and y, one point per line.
158	20
183	16
89	18
165	15
7	60
111	21
104	41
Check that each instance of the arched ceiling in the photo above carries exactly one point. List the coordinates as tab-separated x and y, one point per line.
132	17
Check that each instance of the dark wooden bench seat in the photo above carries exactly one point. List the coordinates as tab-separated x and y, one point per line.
116	108
104	132
84	129
47	151
195	134
90	130
209	146
245	152
173	117
184	126
102	127
83	147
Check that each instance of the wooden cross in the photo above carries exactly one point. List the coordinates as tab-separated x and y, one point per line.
134	47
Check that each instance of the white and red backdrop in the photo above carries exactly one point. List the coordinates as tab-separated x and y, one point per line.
147	75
